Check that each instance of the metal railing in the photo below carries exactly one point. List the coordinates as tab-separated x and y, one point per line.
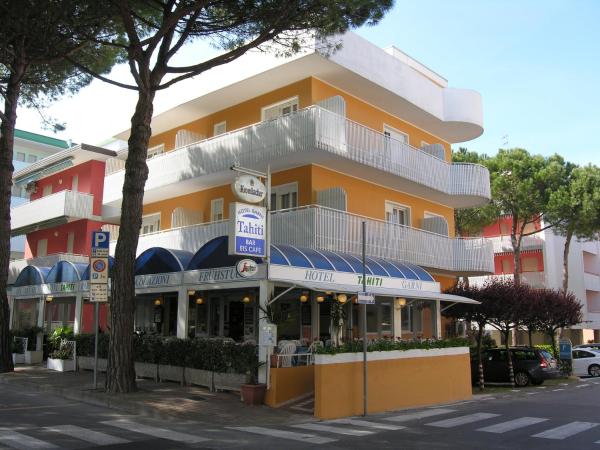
311	130
533	279
503	244
329	229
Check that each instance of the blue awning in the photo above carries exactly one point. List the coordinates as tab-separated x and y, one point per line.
66	272
162	260
86	274
288	255
31	276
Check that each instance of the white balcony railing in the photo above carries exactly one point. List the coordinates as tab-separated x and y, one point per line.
533	279
17	265
62	205
189	238
329	229
592	281
503	244
311	135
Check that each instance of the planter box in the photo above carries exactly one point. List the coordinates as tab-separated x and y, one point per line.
34	356
62	365
18	358
146	370
253	394
87	363
171	373
199	377
230	381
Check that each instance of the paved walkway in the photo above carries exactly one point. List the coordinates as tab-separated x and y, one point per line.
159	400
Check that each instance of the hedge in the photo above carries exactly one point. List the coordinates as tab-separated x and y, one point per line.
207	354
389	345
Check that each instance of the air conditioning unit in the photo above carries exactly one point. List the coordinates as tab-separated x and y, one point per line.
31	187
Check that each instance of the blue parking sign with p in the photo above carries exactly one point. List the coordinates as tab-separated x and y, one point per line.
100	243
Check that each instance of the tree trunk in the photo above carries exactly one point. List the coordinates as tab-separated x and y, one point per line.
479	361
517	258
530	333
565	283
120	376
511	371
7	134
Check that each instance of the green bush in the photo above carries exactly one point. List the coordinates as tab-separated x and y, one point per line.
85	345
389	345
58	335
546	347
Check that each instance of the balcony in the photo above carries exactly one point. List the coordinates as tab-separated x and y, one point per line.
51	210
328	229
312	135
17	265
503	244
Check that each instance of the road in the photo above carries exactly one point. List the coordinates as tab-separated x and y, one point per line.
553	417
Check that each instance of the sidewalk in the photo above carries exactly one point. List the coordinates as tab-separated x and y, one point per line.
167	401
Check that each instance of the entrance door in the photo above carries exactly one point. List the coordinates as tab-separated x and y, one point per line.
236	320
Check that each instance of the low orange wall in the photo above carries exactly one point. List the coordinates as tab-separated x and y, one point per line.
288	383
392	383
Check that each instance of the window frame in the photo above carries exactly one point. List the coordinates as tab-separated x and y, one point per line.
388	129
281	190
146	216
293	100
390	203
214	202
224	124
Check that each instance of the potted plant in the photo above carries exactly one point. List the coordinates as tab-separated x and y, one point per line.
63	359
253	393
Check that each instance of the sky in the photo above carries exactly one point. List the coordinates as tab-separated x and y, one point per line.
536	64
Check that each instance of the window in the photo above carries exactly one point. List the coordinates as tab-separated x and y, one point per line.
219	128
20	156
42	247
396	213
47	190
280	109
284	196
31	158
424	144
580	354
155	151
395	134
75	183
216	209
529	264
70	242
150	224
506	268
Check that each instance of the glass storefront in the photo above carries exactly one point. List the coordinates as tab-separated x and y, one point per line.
25	313
60	312
156	314
419	319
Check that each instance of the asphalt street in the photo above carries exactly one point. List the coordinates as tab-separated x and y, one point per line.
552	417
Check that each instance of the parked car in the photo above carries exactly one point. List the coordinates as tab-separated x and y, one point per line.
531	366
594	346
586	361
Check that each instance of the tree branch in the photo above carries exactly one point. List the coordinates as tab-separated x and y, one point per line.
100	77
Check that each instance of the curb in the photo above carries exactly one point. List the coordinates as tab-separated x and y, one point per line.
91	399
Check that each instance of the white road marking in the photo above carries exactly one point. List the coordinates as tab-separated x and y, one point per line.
462	420
155	431
565	431
420	415
510	425
22	441
556	390
302	437
366	424
564	384
532	393
516	390
541	387
582	385
95	437
329	429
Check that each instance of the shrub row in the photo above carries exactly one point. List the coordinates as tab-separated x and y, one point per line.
389	345
207	354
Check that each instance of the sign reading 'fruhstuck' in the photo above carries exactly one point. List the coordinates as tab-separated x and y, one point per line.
247	230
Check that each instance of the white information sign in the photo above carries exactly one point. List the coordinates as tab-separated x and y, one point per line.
366	299
99	266
98	292
98	270
249	188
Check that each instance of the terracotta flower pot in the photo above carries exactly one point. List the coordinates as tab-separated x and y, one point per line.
253	394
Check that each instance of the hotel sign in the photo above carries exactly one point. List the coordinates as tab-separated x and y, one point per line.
157	280
247	230
29	291
346	279
63	288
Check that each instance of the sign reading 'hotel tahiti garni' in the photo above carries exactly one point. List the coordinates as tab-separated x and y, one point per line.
247	230
249	188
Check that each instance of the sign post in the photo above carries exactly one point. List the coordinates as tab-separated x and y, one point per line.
98	283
